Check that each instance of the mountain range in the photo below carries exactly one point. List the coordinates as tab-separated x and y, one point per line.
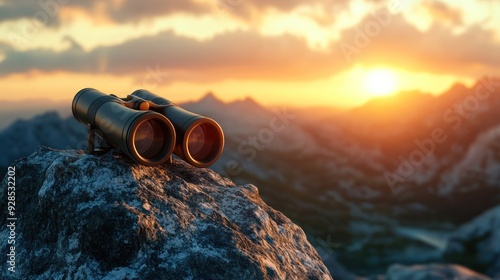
388	182
11	111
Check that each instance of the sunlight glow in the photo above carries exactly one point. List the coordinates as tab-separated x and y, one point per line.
380	82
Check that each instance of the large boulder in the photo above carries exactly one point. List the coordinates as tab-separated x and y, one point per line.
105	217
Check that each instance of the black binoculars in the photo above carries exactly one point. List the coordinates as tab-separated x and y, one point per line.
148	128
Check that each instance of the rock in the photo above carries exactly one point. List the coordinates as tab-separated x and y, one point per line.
106	217
432	272
477	243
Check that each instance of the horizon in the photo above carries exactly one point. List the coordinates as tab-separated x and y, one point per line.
218	97
293	54
12	110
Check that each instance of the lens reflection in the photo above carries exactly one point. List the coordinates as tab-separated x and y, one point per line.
149	139
202	142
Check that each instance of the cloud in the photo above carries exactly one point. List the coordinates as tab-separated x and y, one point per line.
132	10
13	9
244	6
119	11
437	50
235	55
253	10
250	55
441	12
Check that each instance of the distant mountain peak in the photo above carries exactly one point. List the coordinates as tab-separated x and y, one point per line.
458	86
210	97
411	94
209	100
402	98
248	105
456	92
248	101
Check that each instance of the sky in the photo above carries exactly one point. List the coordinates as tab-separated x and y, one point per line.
283	52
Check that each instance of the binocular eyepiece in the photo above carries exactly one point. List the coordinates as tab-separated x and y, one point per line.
148	128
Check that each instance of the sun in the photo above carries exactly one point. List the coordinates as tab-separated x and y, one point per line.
380	82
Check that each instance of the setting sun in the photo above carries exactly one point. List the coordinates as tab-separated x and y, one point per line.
380	82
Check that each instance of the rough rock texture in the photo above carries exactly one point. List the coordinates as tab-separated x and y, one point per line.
477	243
84	217
432	272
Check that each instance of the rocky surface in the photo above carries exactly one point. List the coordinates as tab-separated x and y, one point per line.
477	243
105	217
432	272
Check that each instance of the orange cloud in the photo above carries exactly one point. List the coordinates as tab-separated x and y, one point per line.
441	12
120	11
250	55
437	50
236	55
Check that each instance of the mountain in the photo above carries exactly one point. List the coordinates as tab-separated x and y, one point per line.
106	217
477	243
478	166
209	100
22	137
390	108
368	189
229	114
394	123
10	111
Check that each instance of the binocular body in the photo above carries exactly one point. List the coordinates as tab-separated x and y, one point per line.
149	128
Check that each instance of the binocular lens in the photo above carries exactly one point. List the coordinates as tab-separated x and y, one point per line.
203	142
199	141
149	139
146	136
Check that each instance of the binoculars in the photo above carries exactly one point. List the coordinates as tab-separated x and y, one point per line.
148	128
